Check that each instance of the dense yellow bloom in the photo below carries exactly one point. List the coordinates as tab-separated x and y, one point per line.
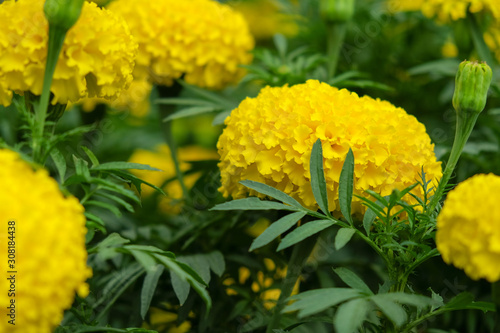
96	60
468	227
204	40
265	18
161	159
446	10
50	254
269	139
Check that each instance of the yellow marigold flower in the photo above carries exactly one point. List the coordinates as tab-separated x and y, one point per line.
50	254
161	159
203	40
468	227
446	10
265	18
96	60
269	139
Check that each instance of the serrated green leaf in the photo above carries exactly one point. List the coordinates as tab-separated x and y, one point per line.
303	232
271	192
252	203
314	301
94	218
418	301
346	186
123	166
59	162
148	288
368	220
276	229
105	205
189	112
216	261
351	315
91	156
459	302
145	259
344	235
352	280
81	168
197	263
117	199
110	186
318	182
136	181
394	311
149	248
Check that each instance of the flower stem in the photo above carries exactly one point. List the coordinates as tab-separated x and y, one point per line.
299	257
482	49
465	124
56	40
335	38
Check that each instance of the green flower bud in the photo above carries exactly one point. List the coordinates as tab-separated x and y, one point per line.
62	14
337	10
471	86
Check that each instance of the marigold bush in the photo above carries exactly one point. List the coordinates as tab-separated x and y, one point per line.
96	60
50	246
269	139
201	39
468	234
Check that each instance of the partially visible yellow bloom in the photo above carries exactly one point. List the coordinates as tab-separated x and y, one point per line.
446	10
265	18
161	159
449	49
468	227
49	241
269	139
134	100
203	40
166	321
96	60
492	39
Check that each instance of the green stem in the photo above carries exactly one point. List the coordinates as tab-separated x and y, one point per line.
465	124
165	111
335	35
299	257
56	40
482	49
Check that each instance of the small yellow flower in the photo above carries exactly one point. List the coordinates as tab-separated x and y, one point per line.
50	254
161	159
96	60
449	49
446	10
204	40
468	227
265	18
269	139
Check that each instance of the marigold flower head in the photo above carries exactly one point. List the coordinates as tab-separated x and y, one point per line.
96	60
50	254
446	10
468	227
269	139
162	159
204	40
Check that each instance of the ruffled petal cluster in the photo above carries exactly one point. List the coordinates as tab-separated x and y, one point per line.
203	40
269	139
49	247
265	18
162	159
96	60
446	10
468	227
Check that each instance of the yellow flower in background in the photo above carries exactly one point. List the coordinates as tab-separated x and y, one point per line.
96	60
134	100
468	227
50	254
449	49
269	139
492	39
203	40
446	10
265	18
161	159
165	321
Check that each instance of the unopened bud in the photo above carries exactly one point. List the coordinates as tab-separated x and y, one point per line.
62	14
471	86
337	10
